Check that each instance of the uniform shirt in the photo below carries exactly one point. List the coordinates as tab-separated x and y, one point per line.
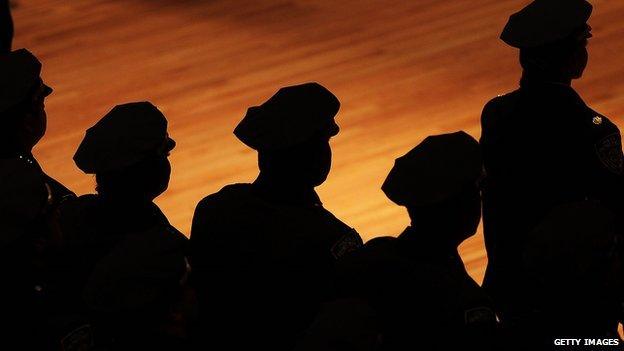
421	292
542	147
27	267
59	193
123	263
345	324
262	263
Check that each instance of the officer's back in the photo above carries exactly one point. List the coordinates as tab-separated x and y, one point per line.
417	282
543	146
262	253
125	263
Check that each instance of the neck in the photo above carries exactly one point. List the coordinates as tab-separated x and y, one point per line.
282	189
542	77
132	213
125	201
278	183
433	238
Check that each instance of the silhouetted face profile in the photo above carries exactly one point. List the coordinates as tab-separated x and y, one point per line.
29	119
306	165
454	220
143	181
578	61
36	117
563	60
579	56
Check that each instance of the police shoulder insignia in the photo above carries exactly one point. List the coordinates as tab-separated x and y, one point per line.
597	120
609	151
479	315
347	243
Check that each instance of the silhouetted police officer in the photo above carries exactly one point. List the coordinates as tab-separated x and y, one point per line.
125	263
263	253
417	282
571	264
6	27
22	112
542	145
31	258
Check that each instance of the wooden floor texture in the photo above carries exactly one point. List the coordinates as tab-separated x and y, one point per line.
403	69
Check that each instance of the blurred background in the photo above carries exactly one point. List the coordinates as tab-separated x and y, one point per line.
403	69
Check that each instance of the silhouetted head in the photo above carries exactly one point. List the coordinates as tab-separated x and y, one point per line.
438	183
128	151
22	102
291	132
552	36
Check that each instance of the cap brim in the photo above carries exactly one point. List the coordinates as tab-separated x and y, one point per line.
334	129
544	22
47	90
170	144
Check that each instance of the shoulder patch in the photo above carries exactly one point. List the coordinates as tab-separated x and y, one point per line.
609	152
349	242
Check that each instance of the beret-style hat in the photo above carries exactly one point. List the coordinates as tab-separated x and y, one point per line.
292	116
435	170
123	137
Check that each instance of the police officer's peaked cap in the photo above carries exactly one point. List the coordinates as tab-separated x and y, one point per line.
545	21
292	116
23	195
435	170
19	74
123	137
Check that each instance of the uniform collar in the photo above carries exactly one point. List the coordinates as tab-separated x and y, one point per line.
26	157
551	86
539	83
140	212
276	193
538	79
424	244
